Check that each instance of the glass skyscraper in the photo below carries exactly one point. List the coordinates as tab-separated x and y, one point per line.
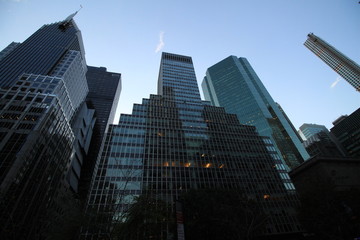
40	51
307	130
174	142
345	67
233	84
42	98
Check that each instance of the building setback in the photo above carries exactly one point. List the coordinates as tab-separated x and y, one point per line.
344	66
174	142
233	84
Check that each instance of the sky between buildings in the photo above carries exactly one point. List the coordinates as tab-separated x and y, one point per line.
128	36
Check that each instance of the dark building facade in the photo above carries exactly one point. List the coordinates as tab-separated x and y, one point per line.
322	144
42	98
103	96
233	84
104	93
347	132
342	172
174	142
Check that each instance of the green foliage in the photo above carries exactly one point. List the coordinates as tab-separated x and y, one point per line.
221	214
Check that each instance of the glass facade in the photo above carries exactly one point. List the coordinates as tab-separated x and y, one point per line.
233	84
36	145
39	53
174	142
345	67
307	130
42	94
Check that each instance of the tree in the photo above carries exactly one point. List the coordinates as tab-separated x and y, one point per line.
147	218
221	214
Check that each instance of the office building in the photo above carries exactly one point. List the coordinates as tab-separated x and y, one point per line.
174	142
346	129
308	130
319	142
233	84
345	67
45	127
322	144
103	96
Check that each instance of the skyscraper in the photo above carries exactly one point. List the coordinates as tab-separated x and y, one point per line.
42	100
103	96
233	84
174	142
39	53
345	67
308	130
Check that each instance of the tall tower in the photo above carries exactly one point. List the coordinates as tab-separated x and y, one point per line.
233	84
345	67
103	96
42	98
174	142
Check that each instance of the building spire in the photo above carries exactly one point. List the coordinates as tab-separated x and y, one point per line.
66	23
70	17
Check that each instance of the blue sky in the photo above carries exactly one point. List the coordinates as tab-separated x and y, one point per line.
128	37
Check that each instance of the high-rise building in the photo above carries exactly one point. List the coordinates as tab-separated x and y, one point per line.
233	84
174	142
324	145
35	58
308	130
344	66
45	127
347	131
103	96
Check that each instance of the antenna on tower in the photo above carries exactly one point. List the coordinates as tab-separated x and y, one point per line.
67	20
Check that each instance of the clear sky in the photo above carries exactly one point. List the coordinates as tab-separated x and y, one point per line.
128	36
